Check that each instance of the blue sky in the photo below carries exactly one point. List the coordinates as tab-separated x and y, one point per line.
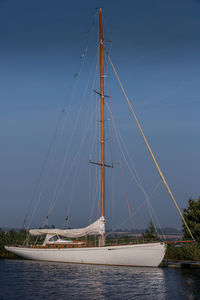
155	48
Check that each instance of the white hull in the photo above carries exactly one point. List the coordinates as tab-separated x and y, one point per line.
146	255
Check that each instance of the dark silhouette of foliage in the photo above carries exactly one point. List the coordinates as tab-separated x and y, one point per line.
150	233
192	217
183	252
11	237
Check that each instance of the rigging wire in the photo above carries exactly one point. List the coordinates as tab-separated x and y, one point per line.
150	151
69	142
93	192
136	177
59	190
135	214
85	129
126	195
44	167
122	174
77	156
42	172
118	138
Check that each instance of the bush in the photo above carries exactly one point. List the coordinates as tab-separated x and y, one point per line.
12	237
183	252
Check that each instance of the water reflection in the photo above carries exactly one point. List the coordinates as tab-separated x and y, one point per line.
42	280
183	283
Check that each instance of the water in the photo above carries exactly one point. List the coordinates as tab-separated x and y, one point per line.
20	279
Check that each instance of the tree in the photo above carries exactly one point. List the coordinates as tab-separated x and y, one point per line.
192	218
150	233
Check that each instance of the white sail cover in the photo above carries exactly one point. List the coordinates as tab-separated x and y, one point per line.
96	228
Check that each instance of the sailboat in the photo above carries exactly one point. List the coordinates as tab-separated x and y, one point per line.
60	245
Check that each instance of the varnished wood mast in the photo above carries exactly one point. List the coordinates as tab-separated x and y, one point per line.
102	116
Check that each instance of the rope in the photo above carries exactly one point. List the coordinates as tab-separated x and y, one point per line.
150	151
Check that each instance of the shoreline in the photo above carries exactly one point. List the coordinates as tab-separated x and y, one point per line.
187	264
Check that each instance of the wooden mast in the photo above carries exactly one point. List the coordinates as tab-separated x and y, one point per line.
102	239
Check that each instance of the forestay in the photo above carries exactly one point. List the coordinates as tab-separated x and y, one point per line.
96	228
